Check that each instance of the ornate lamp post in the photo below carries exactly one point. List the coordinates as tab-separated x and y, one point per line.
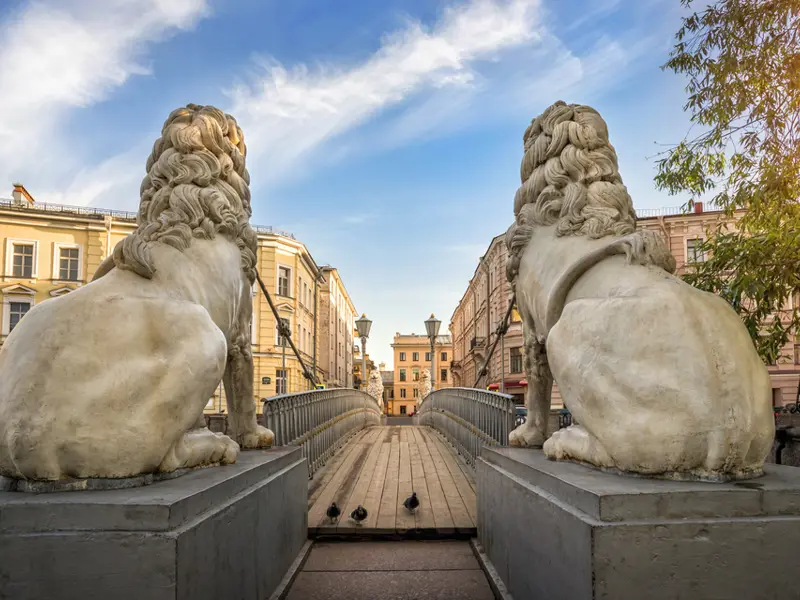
363	325
432	329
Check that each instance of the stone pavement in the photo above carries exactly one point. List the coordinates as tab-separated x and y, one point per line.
404	570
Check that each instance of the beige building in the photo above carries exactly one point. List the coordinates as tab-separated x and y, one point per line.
337	321
475	320
388	387
50	250
412	354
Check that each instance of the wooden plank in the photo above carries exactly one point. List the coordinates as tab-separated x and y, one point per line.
330	469
375	491
441	512
423	517
455	504
464	483
403	434
317	516
405	519
388	507
359	494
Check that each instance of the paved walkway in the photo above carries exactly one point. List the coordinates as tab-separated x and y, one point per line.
379	469
419	570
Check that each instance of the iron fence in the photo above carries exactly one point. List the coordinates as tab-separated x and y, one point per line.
320	421
468	418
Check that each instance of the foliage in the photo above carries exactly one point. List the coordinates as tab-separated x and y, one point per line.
742	62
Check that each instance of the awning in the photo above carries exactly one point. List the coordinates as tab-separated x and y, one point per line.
510	383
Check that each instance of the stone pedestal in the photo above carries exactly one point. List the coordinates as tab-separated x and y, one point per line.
220	532
559	530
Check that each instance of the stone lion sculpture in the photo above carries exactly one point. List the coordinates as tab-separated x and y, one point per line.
662	378
375	386
111	379
424	384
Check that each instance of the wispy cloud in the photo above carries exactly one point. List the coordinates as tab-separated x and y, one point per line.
287	113
63	55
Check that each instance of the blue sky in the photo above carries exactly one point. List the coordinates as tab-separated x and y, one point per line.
385	135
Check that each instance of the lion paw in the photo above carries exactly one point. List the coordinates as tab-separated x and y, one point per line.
526	436
260	438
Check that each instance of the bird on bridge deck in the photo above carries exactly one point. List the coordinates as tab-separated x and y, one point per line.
359	514
412	502
333	512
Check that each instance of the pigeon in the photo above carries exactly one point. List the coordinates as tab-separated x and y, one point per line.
359	514
412	502
333	512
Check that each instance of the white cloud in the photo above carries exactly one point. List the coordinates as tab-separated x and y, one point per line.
286	113
63	55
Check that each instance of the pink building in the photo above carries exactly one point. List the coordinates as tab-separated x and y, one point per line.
474	323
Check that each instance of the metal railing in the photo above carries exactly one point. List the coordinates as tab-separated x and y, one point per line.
468	418
320	421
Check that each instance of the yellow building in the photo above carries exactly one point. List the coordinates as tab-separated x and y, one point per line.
50	250
337	316
412	354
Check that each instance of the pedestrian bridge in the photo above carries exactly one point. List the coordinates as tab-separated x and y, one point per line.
356	459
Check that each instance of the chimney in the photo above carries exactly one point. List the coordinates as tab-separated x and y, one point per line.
698	207
21	196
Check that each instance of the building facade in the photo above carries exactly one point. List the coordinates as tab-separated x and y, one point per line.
483	306
51	250
337	321
388	388
358	381
412	354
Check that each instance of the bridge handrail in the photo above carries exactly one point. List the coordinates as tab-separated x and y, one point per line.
469	418
319	421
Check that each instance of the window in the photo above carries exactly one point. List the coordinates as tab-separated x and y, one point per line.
443	375
416	393
415	356
17	310
67	263
284	277
402	409
402	374
281	341
403	392
444	356
427	357
694	254
280	381
516	360
391	394
403	356
22	261
415	374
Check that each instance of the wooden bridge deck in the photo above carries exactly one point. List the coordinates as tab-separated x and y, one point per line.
378	469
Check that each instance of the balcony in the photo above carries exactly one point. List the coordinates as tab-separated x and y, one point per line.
477	342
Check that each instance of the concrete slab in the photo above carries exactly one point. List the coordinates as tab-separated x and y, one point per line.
560	530
431	555
222	532
391	585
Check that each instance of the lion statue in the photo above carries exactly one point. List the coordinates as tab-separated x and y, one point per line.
424	384
111	379
375	386
662	378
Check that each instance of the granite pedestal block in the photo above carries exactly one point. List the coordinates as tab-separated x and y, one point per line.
558	530
220	532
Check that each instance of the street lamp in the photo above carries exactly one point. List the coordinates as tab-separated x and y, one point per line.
432	328
363	325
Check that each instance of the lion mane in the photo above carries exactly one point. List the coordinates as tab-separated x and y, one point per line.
196	186
570	178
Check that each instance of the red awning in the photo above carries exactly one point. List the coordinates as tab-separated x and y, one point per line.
493	386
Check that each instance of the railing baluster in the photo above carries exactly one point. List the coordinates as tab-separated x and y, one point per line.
319	421
468	418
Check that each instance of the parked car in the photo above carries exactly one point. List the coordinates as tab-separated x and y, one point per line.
520	415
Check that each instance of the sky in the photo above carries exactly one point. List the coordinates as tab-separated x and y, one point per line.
386	136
